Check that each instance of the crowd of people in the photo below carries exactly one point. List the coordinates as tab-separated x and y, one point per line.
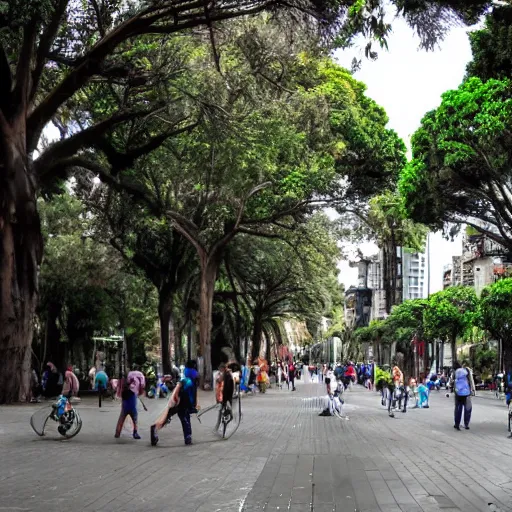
182	386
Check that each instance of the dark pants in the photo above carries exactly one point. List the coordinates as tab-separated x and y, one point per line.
184	416
400	397
460	402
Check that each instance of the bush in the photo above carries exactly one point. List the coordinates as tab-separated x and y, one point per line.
382	379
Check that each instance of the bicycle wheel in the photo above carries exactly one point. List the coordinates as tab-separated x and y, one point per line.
205	410
39	419
231	426
71	424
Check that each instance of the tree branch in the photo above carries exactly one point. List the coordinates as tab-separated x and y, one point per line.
122	161
145	22
45	43
23	75
85	138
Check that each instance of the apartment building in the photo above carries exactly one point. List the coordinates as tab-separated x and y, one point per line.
414	276
483	262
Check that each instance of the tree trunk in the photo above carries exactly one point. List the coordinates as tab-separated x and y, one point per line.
20	256
129	352
256	336
506	355
178	356
54	348
165	314
453	343
209	268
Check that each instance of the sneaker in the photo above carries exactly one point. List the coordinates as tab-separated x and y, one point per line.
188	441
117	436
136	435
456	427
154	437
466	427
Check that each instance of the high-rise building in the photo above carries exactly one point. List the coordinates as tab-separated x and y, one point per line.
414	275
376	284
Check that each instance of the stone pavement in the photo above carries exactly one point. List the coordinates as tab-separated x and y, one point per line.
283	457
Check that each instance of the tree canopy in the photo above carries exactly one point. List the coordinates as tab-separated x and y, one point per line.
495	315
461	168
120	80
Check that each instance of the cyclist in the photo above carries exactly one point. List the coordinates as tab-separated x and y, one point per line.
225	386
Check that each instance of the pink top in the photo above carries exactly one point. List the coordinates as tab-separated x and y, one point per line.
71	384
137	382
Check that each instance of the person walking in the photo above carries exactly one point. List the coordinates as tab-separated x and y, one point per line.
291	375
183	402
130	389
463	389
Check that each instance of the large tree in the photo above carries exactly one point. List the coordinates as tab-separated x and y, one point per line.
150	245
58	56
461	169
492	46
495	315
290	277
449	314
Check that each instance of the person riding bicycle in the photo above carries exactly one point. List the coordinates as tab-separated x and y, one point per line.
225	386
224	391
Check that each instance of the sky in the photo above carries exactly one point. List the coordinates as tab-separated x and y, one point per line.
408	82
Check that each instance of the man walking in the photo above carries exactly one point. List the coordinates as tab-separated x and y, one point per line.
464	388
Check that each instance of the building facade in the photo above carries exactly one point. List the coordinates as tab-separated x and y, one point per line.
483	262
414	276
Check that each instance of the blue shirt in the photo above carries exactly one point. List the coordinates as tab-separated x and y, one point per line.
101	380
462	387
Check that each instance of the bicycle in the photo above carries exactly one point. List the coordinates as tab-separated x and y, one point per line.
229	415
63	413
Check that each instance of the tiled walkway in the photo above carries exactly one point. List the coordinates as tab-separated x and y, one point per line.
283	457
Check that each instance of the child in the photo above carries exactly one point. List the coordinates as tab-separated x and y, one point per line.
130	389
423	393
182	402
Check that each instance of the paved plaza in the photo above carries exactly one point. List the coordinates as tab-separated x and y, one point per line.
283	457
